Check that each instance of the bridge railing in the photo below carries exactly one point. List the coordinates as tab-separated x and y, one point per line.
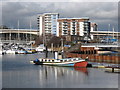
102	45
16	41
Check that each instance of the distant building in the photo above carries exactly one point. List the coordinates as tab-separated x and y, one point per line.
47	23
51	24
94	27
74	27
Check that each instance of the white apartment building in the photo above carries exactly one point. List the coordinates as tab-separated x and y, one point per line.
47	23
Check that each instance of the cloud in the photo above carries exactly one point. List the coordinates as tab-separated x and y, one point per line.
60	0
0	13
103	13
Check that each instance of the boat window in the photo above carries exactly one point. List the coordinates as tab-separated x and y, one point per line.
42	60
49	60
65	60
74	59
61	60
52	60
45	60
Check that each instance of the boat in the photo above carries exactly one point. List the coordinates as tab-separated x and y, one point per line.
30	51
74	62
40	48
1	52
10	51
22	52
112	70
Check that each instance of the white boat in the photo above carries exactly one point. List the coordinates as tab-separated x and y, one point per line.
75	62
1	52
40	48
22	52
114	70
10	51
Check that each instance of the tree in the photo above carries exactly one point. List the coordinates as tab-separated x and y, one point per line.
4	27
39	40
48	40
56	41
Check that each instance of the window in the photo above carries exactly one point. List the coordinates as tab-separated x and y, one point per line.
61	60
54	25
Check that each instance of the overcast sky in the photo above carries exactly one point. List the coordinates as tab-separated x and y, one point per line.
102	13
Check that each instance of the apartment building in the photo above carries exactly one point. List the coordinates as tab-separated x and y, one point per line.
47	23
73	26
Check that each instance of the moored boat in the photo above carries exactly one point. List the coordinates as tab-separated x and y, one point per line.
76	62
30	51
113	70
22	52
10	51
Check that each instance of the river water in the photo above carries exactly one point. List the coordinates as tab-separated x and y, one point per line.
17	72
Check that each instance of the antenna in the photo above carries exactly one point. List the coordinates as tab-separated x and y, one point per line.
113	32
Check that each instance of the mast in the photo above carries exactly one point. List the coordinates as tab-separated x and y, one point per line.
52	47
108	31
30	33
18	32
45	44
10	37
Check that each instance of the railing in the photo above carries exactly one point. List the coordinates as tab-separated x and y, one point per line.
16	41
102	44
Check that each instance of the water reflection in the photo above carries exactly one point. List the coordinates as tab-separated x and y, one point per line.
56	75
17	72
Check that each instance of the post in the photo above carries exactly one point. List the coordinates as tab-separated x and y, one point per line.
113	32
30	34
56	55
52	47
62	45
108	32
46	51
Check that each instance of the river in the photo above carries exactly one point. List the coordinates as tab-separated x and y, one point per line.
17	72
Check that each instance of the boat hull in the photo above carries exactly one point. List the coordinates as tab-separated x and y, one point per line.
22	52
68	64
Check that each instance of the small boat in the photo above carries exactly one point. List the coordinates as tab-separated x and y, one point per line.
22	52
40	48
10	51
1	52
76	62
112	70
30	51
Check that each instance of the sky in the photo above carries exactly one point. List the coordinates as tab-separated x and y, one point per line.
102	13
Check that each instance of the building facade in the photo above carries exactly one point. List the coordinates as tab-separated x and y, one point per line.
47	23
51	24
73	26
